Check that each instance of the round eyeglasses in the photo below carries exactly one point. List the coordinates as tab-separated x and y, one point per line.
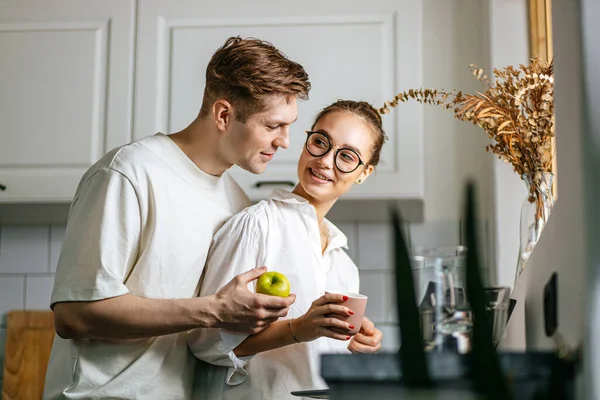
346	160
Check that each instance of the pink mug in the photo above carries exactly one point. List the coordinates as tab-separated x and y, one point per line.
357	303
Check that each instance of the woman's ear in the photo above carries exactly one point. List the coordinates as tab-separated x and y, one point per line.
222	114
365	174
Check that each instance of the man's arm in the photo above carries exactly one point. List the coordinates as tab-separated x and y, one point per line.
130	317
234	307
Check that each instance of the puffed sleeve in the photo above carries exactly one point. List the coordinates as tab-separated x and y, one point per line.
238	247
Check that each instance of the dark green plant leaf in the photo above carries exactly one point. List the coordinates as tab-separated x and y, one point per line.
488	377
412	353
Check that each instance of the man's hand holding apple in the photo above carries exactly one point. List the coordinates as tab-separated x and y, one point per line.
238	309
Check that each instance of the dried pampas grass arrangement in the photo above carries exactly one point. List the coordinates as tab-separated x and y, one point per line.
516	111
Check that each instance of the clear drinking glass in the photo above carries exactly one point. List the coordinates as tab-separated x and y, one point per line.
497	302
440	282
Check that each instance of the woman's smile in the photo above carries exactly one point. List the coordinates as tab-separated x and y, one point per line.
319	176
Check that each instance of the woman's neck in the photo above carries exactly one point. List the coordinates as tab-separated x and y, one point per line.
321	207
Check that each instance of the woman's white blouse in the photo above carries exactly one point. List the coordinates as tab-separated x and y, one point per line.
281	233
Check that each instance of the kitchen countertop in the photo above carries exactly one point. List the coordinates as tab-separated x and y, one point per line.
378	376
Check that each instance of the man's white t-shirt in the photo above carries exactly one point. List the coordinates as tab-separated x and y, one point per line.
141	222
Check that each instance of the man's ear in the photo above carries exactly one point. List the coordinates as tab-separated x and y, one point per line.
365	174
222	114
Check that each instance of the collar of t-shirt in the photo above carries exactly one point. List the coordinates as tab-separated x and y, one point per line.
183	163
336	238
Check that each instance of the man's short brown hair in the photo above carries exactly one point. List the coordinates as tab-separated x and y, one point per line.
246	71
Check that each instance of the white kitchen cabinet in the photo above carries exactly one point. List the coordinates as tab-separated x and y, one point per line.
351	49
66	86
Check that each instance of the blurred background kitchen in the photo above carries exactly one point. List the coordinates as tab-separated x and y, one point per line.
79	77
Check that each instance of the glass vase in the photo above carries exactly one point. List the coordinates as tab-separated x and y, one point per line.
535	212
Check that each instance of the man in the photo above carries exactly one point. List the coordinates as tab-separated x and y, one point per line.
139	230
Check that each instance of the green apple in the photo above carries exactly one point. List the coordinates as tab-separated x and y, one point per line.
274	284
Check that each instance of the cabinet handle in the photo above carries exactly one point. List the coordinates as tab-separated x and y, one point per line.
278	183
2	187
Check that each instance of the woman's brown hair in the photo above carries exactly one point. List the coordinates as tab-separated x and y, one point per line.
368	114
246	72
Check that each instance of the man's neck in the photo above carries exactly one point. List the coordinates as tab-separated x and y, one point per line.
200	142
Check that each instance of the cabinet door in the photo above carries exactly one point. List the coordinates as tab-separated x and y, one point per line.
65	92
350	48
28	345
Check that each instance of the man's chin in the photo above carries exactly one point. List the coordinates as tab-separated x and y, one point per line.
255	169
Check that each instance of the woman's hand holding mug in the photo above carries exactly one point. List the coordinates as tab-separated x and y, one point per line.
324	318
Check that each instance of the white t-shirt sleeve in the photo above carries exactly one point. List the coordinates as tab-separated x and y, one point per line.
101	240
238	247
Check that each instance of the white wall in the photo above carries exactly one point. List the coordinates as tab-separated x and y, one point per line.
562	244
508	46
455	35
590	14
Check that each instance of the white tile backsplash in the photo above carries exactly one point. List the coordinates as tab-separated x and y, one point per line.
435	234
28	258
2	344
24	249
37	292
374	245
484	245
12	291
373	285
2	352
390	310
57	234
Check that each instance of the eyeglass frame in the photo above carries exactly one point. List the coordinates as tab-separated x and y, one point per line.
309	133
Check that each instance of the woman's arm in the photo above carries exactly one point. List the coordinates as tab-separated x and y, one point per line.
277	335
317	322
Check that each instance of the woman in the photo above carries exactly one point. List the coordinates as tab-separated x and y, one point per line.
289	234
